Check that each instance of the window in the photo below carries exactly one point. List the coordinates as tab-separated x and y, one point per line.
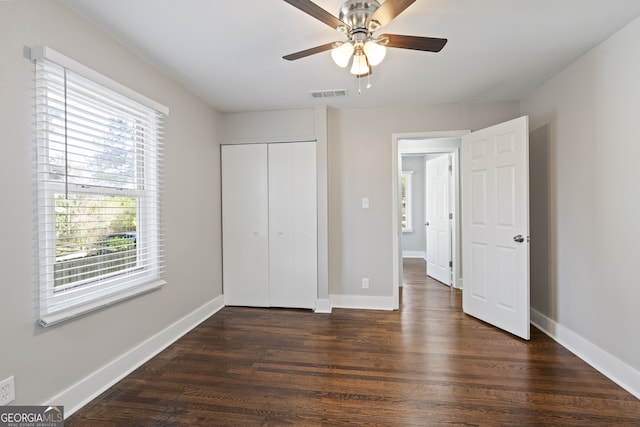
98	167
406	178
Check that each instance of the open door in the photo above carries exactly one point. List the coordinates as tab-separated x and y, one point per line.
438	218
495	225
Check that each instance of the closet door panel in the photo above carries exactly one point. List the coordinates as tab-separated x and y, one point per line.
292	225
245	207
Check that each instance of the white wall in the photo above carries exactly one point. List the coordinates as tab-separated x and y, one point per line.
591	111
71	361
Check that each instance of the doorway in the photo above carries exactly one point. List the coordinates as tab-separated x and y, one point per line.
427	197
428	143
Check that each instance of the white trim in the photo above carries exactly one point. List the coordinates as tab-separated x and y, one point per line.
414	254
323	306
45	52
362	302
274	140
322	182
87	389
66	314
396	165
613	368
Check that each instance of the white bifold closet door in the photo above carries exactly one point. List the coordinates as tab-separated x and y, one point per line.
269	219
245	219
293	236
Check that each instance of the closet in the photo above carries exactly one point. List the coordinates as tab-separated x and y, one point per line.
269	224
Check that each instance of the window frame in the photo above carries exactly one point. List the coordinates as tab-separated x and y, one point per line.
407	176
73	299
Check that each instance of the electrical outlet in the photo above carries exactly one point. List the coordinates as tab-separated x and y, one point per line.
7	391
365	283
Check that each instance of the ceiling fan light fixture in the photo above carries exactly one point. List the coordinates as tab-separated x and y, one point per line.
375	52
359	67
342	54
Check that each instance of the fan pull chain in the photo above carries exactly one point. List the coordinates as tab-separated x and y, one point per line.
360	83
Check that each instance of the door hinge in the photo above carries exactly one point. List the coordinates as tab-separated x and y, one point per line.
450	168
450	264
450	216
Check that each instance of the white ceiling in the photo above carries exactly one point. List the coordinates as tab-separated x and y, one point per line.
230	52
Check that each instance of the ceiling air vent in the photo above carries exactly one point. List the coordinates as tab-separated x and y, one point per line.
328	93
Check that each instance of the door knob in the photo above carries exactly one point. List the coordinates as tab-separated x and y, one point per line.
518	238
426	223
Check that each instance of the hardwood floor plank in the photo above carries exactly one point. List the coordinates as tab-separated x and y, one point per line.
426	364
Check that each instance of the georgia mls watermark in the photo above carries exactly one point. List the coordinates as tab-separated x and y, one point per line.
31	416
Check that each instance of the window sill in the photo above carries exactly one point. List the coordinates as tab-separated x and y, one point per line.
70	313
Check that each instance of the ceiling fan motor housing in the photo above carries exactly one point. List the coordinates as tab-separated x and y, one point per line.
356	14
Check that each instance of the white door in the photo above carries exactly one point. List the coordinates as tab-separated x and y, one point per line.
438	221
495	225
293	239
245	258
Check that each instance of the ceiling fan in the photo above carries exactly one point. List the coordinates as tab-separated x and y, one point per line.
358	20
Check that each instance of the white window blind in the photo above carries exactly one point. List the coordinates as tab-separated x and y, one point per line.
99	160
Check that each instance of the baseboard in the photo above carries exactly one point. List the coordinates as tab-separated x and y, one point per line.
362	302
413	254
323	306
87	389
617	371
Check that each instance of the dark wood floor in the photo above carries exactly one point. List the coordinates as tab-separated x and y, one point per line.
426	364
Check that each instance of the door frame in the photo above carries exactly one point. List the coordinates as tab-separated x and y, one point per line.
423	142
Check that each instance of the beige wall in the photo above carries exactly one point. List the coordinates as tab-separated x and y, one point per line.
360	165
588	115
539	219
45	362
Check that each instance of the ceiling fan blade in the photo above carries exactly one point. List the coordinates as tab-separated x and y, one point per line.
389	10
310	8
307	52
429	44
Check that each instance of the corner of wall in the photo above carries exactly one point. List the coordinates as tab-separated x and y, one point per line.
613	368
85	390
